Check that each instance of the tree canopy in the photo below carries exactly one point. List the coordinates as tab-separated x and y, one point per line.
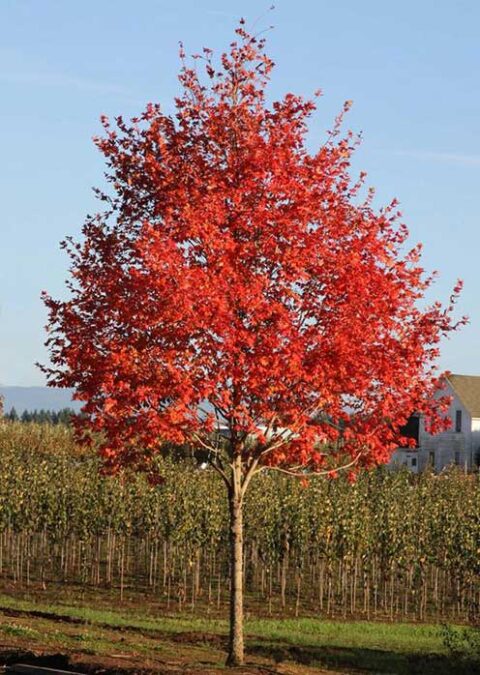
236	268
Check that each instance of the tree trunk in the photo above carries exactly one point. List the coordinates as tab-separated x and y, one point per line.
236	648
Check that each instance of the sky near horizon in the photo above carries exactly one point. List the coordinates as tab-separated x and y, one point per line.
412	70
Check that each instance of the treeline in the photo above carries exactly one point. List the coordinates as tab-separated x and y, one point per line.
391	545
42	416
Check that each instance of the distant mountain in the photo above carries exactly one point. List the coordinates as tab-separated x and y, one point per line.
37	398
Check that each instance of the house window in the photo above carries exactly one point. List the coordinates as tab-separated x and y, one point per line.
457	458
414	461
458	421
411	429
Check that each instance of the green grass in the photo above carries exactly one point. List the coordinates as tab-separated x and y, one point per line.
116	619
305	631
396	648
18	631
402	637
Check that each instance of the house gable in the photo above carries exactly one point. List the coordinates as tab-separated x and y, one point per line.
467	388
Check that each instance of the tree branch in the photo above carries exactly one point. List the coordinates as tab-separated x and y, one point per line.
314	474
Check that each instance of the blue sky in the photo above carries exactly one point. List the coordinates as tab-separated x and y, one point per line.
411	68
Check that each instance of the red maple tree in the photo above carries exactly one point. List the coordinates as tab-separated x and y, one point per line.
239	294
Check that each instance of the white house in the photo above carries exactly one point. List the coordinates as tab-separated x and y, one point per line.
459	445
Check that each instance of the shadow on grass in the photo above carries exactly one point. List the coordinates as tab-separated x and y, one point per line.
368	660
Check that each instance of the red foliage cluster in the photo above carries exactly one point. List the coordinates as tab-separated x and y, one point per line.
237	278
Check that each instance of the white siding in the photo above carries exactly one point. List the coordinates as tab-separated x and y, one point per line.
449	447
475	424
404	457
476	441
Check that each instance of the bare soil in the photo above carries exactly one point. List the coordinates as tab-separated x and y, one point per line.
37	638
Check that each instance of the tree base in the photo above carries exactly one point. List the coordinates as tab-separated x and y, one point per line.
234	661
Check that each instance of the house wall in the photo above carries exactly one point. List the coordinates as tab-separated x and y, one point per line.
449	447
476	441
405	457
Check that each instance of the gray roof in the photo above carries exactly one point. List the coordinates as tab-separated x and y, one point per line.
467	387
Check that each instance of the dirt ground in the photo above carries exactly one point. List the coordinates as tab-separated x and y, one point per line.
43	627
36	639
120	664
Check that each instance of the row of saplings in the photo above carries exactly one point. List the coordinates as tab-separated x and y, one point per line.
390	545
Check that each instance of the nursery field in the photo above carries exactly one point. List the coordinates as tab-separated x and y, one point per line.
125	576
391	546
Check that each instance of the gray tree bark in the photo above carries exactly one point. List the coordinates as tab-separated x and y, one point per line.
236	652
